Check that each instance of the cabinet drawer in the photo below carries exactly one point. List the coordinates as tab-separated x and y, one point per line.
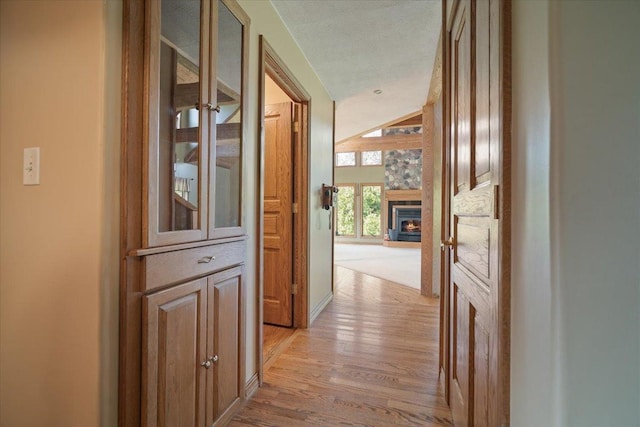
174	267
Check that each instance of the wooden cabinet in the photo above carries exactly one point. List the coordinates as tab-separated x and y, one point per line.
192	353
183	241
225	294
194	118
174	337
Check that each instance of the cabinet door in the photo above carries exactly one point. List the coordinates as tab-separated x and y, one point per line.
226	151
177	129
174	348
225	342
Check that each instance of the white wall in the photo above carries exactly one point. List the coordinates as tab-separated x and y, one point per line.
532	348
59	90
595	151
575	313
265	21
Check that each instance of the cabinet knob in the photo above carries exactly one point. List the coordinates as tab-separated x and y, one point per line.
212	108
206	259
206	364
214	359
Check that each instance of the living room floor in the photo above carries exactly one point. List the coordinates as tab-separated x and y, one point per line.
399	265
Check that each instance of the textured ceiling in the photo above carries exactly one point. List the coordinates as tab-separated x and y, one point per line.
358	46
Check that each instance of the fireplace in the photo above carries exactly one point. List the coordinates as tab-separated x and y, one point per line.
410	237
407	221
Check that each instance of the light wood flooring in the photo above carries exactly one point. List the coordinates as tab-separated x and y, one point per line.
276	340
369	359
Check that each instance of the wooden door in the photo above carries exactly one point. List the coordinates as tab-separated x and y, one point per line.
478	90
278	214
174	346
224	345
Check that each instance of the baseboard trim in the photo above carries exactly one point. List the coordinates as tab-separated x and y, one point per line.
318	309
251	386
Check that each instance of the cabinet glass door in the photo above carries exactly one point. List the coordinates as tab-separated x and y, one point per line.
178	121
228	121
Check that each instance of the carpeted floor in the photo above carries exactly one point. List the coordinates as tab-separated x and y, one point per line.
399	265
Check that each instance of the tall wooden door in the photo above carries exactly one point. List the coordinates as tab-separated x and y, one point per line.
278	214
479	105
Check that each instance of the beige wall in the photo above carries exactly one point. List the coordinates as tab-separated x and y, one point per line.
59	90
357	174
265	21
272	92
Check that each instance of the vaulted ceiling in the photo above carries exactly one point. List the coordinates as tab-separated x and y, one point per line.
358	47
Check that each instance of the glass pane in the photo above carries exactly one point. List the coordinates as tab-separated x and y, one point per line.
179	117
229	119
371	158
371	212
346	216
346	159
409	130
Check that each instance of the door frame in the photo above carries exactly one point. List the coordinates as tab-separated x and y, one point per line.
270	63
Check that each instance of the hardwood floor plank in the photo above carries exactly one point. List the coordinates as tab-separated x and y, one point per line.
276	340
370	359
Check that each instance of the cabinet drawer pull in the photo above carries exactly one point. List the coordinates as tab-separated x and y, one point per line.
206	259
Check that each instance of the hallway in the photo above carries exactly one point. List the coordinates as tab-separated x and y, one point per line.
369	359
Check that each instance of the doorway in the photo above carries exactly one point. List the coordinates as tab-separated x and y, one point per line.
283	207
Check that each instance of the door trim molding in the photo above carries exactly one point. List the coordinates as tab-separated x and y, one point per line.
270	63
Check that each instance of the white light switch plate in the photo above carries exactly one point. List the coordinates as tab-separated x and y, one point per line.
31	166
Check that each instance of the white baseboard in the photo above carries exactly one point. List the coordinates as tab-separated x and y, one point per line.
318	309
251	386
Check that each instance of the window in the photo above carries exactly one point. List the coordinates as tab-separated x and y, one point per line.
358	210
345	213
371	210
371	158
345	159
377	132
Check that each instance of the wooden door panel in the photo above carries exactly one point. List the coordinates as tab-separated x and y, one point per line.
482	150
473	246
461	97
278	215
226	288
470	360
460	355
477	131
227	316
480	373
174	346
